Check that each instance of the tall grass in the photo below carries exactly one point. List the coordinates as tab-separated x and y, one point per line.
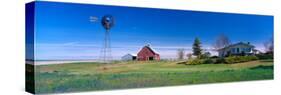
147	75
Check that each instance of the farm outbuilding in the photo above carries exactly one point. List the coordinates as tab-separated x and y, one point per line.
129	57
147	53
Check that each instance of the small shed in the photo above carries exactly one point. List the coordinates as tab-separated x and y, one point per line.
147	53
129	57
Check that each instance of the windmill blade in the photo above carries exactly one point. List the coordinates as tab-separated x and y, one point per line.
93	18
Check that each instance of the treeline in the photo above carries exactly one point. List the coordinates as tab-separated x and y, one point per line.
199	56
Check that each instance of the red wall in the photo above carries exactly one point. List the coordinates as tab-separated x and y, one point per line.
145	53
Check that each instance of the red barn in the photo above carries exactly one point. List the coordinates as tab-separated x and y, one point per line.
146	53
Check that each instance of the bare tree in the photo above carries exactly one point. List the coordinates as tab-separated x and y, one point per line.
189	55
181	54
221	42
269	46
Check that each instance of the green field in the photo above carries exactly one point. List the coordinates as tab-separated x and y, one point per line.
134	74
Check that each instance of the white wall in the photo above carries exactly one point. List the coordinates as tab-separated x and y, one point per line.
127	57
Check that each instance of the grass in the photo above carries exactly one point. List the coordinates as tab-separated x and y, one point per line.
134	74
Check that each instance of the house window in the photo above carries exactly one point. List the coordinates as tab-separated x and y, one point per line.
249	49
238	50
233	50
242	49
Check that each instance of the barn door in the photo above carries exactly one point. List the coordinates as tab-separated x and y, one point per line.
151	58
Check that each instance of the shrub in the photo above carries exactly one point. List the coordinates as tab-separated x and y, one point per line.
219	60
208	61
250	58
200	61
195	61
231	59
238	59
227	60
265	56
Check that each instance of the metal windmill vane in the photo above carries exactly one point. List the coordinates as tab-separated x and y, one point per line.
107	22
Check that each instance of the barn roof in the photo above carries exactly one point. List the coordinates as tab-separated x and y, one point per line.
150	49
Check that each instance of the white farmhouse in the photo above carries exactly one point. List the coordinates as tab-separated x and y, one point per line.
237	49
129	57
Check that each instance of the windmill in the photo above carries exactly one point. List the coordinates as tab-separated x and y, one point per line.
107	22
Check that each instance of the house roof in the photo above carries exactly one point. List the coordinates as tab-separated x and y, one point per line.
129	54
240	43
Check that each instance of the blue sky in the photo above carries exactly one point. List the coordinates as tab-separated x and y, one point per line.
63	30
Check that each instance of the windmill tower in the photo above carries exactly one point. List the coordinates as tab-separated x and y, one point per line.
107	22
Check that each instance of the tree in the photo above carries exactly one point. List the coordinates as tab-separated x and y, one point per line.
181	54
189	56
221	42
197	51
269	46
206	55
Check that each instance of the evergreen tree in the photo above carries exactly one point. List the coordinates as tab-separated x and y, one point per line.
197	51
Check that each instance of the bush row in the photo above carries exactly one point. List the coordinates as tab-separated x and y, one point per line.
265	56
200	61
238	59
227	60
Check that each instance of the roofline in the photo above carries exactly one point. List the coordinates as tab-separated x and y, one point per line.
236	44
149	49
